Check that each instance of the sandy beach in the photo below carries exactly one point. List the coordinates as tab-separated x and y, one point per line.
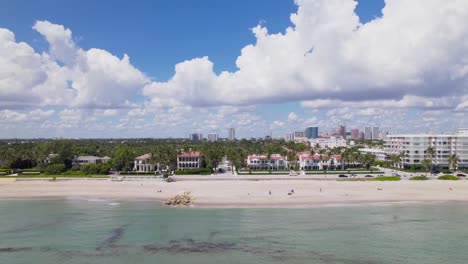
244	193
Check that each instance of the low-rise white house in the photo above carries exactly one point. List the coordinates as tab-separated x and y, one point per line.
262	162
142	164
83	160
307	161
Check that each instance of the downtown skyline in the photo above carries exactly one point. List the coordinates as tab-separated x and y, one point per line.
260	67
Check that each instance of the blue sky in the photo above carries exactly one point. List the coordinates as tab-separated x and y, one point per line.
158	35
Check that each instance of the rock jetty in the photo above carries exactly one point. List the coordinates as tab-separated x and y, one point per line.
184	199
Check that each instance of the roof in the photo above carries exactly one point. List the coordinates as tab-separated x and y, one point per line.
320	157
87	158
143	157
264	157
303	153
190	154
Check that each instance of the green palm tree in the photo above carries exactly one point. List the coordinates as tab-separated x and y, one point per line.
453	161
427	165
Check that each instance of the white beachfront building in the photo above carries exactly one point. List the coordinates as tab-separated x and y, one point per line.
190	160
143	164
262	162
307	161
415	146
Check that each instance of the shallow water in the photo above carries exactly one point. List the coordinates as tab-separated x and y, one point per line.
105	231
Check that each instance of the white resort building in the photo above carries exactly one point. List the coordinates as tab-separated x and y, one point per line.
328	142
189	160
262	162
415	146
142	164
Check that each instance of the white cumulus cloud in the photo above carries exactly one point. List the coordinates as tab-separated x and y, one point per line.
416	48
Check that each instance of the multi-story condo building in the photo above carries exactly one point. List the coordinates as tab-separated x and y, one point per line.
341	131
231	133
196	137
355	134
330	142
375	133
415	146
367	133
190	160
319	162
262	162
212	137
311	132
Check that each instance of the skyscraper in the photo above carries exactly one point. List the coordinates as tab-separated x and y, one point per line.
212	137
375	132
231	133
355	133
196	137
368	133
311	132
342	131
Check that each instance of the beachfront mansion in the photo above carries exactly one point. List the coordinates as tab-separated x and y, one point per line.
415	146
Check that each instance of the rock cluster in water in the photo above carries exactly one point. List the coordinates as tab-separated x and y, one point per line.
184	199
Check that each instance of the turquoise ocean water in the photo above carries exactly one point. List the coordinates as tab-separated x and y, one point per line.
101	231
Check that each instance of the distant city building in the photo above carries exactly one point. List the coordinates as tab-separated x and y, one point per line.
375	133
231	133
330	142
324	134
299	134
212	137
355	134
414	147
367	133
341	131
311	132
190	160
196	137
361	135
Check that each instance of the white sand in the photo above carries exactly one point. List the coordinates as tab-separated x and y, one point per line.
245	193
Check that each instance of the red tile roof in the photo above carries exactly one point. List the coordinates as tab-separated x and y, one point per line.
190	154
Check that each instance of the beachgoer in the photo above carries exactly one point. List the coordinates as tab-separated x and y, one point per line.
269	192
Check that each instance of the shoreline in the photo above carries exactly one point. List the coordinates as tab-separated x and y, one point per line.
245	194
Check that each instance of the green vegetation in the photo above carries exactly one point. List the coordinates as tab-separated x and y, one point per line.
448	178
202	171
387	178
419	178
52	169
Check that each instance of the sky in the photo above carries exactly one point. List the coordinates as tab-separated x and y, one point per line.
167	68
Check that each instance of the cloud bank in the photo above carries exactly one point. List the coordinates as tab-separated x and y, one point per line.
410	65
